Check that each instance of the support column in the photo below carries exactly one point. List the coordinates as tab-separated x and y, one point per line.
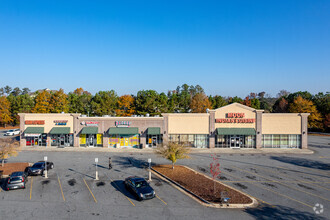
22	140
143	141
75	130
212	129
304	130
165	129
105	141
259	128
48	141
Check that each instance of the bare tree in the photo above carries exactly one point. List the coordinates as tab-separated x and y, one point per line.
8	148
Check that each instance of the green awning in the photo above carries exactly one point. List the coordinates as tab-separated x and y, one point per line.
34	130
60	130
123	131
153	131
236	131
90	130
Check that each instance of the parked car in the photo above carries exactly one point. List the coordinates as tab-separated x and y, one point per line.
12	132
140	187
17	180
39	168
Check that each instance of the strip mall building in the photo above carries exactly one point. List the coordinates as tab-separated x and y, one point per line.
231	126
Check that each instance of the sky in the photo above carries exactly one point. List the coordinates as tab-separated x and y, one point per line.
230	48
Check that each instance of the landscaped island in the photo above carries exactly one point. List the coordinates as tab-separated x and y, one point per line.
201	185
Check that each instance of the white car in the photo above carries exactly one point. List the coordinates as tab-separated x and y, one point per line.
12	132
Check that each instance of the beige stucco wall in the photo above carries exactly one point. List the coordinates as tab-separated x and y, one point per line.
189	123
249	113
49	121
276	123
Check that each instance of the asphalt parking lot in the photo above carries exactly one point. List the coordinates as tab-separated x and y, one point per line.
286	186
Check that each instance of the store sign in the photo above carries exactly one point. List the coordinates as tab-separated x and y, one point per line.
122	123
32	135
235	118
34	122
60	122
90	123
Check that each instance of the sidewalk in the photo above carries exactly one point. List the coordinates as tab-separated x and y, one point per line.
193	150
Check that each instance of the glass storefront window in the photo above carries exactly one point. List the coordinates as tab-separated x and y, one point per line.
235	141
281	141
190	140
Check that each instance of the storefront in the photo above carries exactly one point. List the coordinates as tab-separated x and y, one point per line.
232	126
154	137
124	137
235	138
35	136
61	137
90	137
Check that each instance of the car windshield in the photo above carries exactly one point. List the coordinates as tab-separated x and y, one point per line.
140	184
37	165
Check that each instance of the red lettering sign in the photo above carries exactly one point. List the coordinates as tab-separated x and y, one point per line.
34	122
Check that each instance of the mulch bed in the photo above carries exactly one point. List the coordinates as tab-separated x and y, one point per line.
200	185
12	167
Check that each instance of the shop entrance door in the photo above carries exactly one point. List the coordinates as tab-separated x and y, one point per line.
90	139
235	142
61	141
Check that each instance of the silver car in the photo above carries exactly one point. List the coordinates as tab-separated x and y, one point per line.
17	180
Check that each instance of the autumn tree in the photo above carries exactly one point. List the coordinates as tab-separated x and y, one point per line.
200	103
59	102
8	148
5	115
301	105
235	99
104	103
173	152
247	101
126	106
42	102
281	106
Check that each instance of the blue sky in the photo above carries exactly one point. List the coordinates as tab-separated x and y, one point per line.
230	48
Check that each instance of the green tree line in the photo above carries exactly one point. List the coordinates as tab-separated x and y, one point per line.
184	99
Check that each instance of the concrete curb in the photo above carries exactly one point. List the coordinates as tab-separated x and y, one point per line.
151	151
201	200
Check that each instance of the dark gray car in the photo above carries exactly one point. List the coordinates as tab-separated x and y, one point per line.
17	180
140	187
39	168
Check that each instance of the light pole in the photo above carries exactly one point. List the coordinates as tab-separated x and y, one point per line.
96	173
45	159
149	161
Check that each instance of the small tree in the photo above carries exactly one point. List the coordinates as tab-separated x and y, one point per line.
173	152
8	148
214	169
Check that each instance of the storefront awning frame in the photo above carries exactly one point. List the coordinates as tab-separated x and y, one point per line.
34	130
89	130
236	131
153	131
60	130
123	131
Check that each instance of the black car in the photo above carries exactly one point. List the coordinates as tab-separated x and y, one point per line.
140	187
39	168
17	180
